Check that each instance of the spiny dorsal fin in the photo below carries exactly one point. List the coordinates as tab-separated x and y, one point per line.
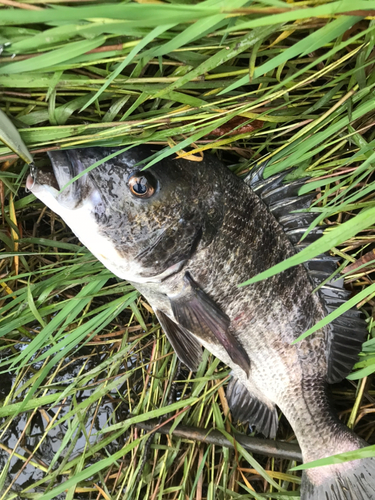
347	332
246	406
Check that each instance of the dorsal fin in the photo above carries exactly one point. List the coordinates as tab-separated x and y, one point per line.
347	332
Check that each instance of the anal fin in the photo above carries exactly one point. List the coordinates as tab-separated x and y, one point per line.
187	348
252	407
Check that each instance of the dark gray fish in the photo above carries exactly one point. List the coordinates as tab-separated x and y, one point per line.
186	235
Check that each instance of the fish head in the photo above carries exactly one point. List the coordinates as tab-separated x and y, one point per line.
142	224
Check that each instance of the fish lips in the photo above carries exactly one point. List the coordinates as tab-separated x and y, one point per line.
65	166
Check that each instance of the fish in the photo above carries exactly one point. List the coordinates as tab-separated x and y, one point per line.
186	234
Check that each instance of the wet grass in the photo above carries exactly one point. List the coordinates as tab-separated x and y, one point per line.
84	364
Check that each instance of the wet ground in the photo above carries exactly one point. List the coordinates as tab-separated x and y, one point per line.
19	473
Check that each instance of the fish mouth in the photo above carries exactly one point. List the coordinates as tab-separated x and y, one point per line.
65	166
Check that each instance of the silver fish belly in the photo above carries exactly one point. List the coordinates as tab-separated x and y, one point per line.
186	235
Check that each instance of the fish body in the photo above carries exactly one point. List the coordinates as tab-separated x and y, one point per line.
185	235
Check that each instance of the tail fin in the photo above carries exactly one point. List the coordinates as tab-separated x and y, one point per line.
346	481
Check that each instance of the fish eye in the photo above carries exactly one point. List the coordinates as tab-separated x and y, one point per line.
142	185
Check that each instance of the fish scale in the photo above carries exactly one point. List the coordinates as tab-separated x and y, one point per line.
188	244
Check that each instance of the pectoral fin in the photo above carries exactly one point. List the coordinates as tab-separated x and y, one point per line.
197	312
186	346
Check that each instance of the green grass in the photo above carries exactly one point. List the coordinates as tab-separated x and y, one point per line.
88	362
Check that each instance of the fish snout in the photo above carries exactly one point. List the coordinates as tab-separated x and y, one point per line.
40	179
30	183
